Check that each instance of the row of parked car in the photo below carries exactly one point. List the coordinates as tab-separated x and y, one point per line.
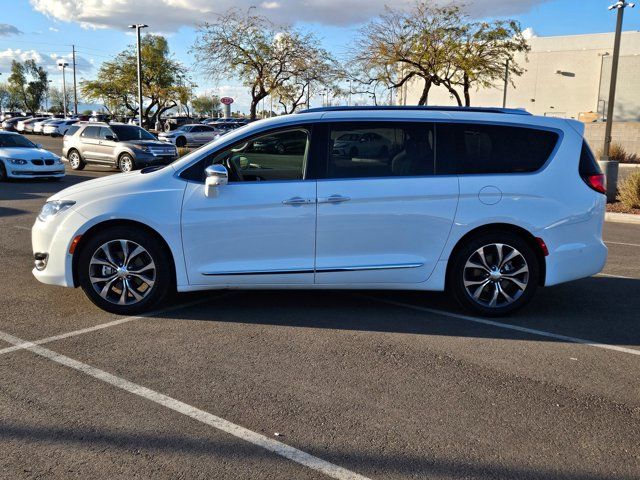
39	125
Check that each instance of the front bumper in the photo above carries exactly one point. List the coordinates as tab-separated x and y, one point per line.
29	171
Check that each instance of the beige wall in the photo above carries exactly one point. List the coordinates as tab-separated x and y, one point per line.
543	91
626	134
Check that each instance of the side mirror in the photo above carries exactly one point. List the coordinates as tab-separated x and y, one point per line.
111	138
216	176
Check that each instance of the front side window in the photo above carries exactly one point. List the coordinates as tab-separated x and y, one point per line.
380	150
275	156
481	148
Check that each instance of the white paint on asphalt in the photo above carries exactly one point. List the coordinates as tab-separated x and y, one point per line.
623	243
279	448
614	276
507	326
20	227
102	326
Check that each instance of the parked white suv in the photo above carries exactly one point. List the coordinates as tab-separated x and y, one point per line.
489	204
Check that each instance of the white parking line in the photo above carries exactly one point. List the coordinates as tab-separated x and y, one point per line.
102	326
622	243
22	228
279	448
507	326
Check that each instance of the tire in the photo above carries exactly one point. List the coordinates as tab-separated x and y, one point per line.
3	173
181	142
152	283
510	267
75	160
126	163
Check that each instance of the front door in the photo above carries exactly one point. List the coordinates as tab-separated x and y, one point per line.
383	217
90	140
260	228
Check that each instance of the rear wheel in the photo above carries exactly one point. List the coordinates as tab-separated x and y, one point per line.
75	160
125	271
181	142
494	274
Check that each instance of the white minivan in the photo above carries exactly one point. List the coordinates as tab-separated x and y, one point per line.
489	204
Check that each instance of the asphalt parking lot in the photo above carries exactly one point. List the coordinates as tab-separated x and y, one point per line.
304	384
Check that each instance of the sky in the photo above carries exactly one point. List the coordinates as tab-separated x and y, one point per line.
46	29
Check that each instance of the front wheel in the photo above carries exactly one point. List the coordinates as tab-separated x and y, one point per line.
494	274
125	271
126	163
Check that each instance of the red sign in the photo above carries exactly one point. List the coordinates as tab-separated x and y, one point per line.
226	100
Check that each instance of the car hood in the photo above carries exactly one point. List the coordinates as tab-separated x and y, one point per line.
90	186
27	153
145	143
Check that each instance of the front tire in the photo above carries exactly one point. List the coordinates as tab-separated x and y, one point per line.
125	271
126	163
494	274
181	142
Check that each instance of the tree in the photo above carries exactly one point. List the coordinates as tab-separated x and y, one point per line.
269	59
57	100
9	101
164	83
206	105
435	44
28	82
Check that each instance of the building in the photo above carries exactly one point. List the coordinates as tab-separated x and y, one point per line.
566	76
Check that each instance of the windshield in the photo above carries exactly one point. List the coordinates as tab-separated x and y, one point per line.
131	132
15	141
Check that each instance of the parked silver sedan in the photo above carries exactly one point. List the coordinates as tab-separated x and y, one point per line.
191	135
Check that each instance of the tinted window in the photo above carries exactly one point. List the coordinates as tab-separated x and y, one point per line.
90	132
15	141
72	130
197	129
588	163
131	132
478	148
275	156
380	150
104	132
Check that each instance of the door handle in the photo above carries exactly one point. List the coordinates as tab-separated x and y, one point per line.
297	201
334	199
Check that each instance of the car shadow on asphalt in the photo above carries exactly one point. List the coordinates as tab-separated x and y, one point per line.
598	309
217	450
22	189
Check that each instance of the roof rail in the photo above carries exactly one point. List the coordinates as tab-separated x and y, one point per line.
434	108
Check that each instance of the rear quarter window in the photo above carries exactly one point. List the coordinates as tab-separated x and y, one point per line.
466	148
72	130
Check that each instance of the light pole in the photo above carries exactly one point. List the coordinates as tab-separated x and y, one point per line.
611	167
63	65
138	27
47	103
506	84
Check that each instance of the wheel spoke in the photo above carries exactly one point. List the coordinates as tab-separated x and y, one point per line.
107	254
471	264
513	254
520	271
518	283
494	298
507	297
480	252
104	293
499	247
479	290
98	261
471	283
147	280
145	268
123	295
125	251
136	251
133	291
102	279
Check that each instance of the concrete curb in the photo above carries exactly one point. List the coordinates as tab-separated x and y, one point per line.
622	218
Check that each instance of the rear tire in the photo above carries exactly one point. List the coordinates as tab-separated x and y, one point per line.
128	279
75	160
494	274
181	142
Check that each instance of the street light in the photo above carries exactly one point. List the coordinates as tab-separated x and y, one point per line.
62	64
137	27
611	167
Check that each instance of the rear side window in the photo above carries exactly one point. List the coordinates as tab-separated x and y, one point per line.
372	149
72	130
466	148
90	132
588	164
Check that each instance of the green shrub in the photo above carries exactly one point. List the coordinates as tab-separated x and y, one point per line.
182	151
629	191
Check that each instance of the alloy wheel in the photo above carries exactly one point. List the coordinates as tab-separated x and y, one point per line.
126	164
122	272
495	275
74	160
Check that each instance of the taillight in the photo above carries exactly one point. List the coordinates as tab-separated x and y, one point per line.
596	182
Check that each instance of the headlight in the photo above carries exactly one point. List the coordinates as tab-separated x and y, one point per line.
51	209
17	161
58	161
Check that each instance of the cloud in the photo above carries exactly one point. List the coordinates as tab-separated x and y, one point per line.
48	61
170	15
53	29
6	30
